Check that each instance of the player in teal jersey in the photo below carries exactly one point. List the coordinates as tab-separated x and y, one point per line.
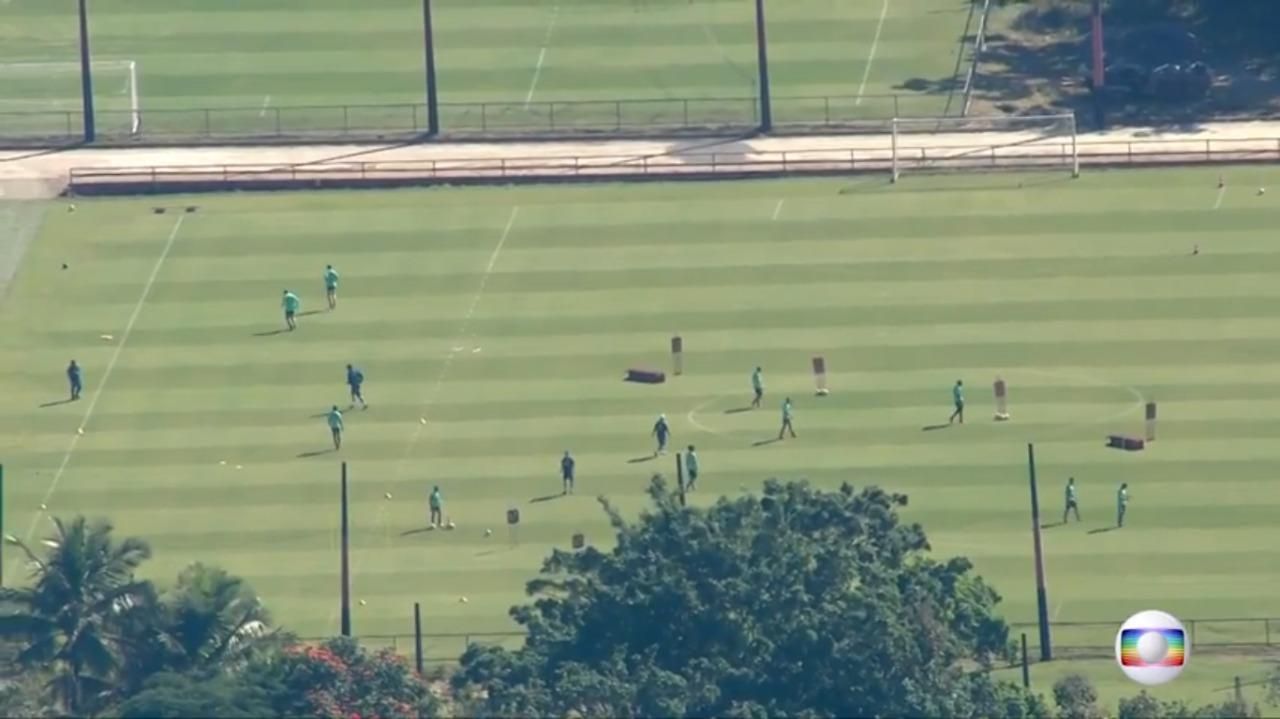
291	303
757	385
786	420
331	286
335	426
436	504
1072	505
1122	503
957	396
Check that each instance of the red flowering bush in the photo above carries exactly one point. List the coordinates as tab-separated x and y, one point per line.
340	680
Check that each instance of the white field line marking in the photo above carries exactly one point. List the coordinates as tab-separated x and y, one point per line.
1222	192
462	332
778	210
542	55
265	101
106	375
871	57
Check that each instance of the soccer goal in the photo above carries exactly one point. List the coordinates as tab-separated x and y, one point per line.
1038	142
36	88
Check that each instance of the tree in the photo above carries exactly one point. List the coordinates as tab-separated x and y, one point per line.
69	620
340	679
175	696
1076	698
796	602
209	621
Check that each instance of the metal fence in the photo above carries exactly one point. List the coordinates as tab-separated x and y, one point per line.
567	118
1223	633
1205	634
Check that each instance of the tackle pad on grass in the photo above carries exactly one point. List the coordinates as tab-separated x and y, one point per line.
644	375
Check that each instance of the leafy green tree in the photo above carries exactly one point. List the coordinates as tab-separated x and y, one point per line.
796	602
1076	698
69	619
209	621
176	696
340	679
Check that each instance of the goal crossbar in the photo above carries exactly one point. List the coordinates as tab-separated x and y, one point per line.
1008	142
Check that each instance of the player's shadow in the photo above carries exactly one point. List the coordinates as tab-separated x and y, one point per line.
308	313
547	498
763	442
271	333
646	458
737	410
55	403
419	530
316	453
1100	530
1051	525
933	427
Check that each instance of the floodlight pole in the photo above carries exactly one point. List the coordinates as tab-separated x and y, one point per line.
1099	65
1042	594
86	76
429	48
2	537
762	60
680	477
417	637
346	563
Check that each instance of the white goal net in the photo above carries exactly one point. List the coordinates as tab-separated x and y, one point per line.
1042	142
40	92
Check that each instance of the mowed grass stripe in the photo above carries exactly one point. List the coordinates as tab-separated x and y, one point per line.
198	388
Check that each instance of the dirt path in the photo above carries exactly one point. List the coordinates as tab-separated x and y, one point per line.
44	174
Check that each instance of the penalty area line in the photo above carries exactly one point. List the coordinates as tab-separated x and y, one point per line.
871	56
106	376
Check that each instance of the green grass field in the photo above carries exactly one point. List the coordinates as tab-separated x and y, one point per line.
506	317
253	62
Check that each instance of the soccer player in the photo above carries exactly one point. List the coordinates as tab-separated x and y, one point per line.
786	420
957	395
73	377
566	472
662	431
691	468
291	303
1122	503
331	286
436	502
757	384
335	426
355	380
1071	506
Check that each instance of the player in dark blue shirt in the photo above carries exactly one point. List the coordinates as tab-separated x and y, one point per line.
566	472
663	432
355	380
73	377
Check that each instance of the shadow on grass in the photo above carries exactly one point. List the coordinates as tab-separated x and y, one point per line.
55	403
316	453
271	333
1102	530
419	530
934	427
737	410
308	313
547	498
763	442
646	458
1051	525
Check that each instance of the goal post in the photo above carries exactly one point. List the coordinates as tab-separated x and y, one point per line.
33	88
940	144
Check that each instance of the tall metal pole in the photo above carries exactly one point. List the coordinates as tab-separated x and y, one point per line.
1099	66
346	559
762	60
417	637
680	477
1042	594
86	76
429	47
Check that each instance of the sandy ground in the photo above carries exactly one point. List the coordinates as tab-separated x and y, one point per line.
25	174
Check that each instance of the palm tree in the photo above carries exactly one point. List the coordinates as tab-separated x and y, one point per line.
212	620
69	619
